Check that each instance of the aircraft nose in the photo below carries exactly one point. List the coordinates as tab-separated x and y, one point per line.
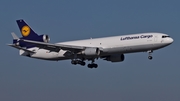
170	40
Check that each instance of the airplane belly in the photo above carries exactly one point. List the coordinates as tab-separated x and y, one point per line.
45	54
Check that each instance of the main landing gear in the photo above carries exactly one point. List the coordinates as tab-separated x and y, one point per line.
150	54
92	65
82	63
75	62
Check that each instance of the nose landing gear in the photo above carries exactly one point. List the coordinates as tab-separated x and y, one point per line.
150	54
150	57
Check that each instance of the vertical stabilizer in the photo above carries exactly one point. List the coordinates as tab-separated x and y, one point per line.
26	30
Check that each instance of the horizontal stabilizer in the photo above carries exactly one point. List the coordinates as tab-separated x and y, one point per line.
18	47
15	37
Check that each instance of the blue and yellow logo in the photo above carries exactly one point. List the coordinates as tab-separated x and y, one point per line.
25	31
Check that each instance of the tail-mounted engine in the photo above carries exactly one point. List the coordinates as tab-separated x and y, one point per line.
45	38
40	38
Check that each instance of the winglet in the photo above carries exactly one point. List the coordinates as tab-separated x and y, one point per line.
15	37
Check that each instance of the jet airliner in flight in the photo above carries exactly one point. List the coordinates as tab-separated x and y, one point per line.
108	48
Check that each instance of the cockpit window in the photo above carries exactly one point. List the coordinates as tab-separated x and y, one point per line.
165	36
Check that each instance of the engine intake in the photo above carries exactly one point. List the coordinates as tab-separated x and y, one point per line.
46	38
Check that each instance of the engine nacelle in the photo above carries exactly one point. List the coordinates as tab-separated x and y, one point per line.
115	58
46	38
39	38
91	52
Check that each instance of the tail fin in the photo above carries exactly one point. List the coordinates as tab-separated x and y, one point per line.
25	30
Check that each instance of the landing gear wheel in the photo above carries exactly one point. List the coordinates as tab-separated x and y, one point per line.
92	65
82	63
89	66
150	57
95	65
73	62
150	54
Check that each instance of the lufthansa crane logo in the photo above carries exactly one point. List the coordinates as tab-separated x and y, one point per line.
25	31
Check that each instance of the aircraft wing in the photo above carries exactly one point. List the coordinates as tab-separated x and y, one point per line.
56	47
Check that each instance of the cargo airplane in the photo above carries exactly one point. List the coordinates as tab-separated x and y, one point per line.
108	48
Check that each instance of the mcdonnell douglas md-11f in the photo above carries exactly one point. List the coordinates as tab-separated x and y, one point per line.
108	48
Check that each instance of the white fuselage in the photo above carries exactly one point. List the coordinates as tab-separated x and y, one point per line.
109	45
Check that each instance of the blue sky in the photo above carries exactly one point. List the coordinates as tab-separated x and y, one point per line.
137	78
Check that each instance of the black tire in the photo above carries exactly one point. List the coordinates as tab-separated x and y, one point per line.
73	62
150	57
83	63
95	66
78	62
90	66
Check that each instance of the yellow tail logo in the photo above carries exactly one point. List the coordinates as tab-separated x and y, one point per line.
25	31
